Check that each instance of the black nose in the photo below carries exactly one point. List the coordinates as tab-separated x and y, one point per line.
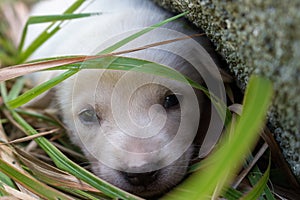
140	178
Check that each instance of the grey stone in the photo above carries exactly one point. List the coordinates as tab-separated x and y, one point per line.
261	37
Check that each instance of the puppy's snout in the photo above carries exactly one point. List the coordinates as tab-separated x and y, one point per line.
140	178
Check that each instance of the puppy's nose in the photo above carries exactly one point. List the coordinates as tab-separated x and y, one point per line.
140	178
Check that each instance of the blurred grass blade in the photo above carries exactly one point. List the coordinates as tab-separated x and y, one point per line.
140	33
231	153
8	52
3	91
16	89
6	180
50	18
260	186
34	92
45	35
31	184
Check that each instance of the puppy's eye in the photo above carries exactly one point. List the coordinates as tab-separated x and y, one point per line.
88	116
170	101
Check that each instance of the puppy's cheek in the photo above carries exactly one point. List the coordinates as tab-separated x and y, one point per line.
176	172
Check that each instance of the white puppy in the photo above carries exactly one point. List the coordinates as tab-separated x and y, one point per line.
139	131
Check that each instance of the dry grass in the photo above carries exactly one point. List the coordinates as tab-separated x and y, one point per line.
12	15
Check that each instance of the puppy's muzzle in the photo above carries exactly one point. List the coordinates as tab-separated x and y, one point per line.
138	179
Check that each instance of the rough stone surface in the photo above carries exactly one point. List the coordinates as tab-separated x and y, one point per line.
261	37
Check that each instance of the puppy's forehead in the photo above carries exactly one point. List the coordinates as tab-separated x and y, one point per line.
106	87
108	81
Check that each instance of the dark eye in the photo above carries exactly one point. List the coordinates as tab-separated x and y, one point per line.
88	116
170	101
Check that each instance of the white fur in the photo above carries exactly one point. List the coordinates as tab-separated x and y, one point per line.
127	102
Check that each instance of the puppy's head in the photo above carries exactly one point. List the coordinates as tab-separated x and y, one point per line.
136	129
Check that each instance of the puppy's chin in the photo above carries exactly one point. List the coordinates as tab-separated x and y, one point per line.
165	178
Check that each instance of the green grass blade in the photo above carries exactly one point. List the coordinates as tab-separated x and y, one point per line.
6	59
74	6
133	64
232	194
31	184
54	18
16	89
82	194
6	180
119	63
260	186
39	116
63	162
50	18
66	164
34	92
254	177
8	52
140	33
3	91
54	177
144	66
231	153
45	35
